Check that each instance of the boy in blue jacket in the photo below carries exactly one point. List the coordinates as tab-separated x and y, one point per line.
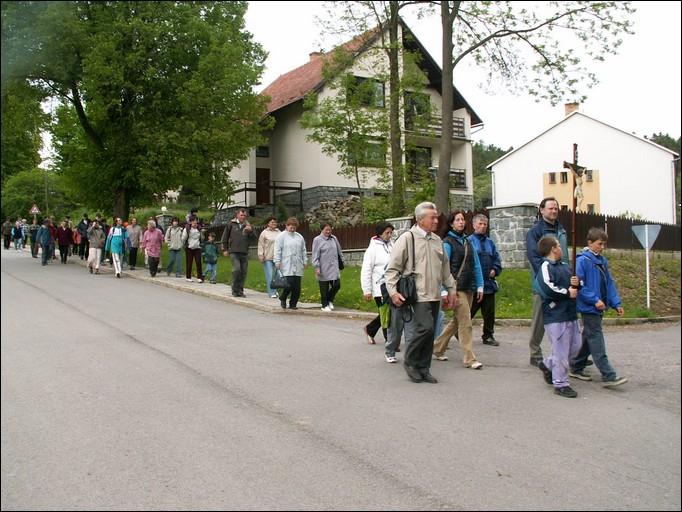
558	289
597	293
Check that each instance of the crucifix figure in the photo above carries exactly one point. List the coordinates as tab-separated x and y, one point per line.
578	173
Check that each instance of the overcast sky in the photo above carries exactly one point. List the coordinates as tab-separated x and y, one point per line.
639	90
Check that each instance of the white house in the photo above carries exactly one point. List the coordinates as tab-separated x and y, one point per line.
626	173
289	161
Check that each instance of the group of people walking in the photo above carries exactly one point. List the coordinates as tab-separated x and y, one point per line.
453	270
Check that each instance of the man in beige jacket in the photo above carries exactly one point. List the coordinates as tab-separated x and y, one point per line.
432	272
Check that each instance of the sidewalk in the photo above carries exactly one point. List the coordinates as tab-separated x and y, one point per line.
261	301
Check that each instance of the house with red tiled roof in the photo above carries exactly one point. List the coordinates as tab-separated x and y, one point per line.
294	171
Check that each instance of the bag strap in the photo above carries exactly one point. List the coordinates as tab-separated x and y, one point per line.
414	253
464	260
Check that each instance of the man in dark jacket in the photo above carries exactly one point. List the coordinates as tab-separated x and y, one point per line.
491	266
235	241
546	225
82	228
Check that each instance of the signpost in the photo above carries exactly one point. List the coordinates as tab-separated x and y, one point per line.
647	234
34	211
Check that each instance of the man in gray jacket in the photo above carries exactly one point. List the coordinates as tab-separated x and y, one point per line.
432	271
235	241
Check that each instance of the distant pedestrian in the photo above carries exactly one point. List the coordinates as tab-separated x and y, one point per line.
44	240
135	237
191	238
210	253
491	267
151	243
96	240
558	289
33	233
327	260
235	242
596	295
7	233
116	244
290	259
266	252
175	246
64	239
82	228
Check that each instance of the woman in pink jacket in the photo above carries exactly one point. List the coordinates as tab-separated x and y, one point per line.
151	243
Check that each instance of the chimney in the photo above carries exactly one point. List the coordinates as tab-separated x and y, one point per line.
569	108
314	56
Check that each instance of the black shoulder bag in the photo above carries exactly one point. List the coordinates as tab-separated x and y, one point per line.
407	286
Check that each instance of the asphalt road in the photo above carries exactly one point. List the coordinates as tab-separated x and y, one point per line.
118	394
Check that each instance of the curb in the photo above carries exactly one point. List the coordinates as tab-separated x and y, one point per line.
222	293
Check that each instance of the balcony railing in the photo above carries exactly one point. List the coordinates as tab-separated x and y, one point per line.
433	127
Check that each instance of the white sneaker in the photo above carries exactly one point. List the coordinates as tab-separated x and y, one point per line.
331	306
441	358
188	280
326	309
391	359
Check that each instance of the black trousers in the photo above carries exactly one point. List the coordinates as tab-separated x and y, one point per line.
487	307
374	326
192	254
294	291
419	336
132	258
84	248
328	291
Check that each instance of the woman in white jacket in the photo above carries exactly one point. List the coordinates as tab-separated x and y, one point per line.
372	275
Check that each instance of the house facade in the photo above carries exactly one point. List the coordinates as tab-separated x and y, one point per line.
296	172
626	174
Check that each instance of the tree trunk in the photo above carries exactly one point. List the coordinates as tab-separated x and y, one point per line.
398	193
121	203
443	177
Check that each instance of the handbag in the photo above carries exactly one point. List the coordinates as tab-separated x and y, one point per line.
279	281
341	265
338	254
407	286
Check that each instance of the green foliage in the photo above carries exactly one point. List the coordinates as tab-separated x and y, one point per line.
482	155
22	122
23	189
667	141
154	95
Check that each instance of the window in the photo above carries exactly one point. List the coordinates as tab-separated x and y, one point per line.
590	208
564	177
418	163
263	151
588	175
367	92
552	178
458	179
368	152
417	108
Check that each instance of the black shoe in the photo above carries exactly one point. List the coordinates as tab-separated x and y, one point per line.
429	378
283	303
535	362
490	340
413	374
589	362
566	392
119	275
292	307
546	373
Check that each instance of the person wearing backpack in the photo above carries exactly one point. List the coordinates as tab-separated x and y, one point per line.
420	252
175	246
191	239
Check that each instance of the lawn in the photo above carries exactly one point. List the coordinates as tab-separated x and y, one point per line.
514	300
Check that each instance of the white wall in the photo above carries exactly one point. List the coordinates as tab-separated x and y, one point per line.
635	176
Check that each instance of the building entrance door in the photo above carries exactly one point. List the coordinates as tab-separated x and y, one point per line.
262	186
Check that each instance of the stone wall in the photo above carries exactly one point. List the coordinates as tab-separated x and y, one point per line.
312	197
508	228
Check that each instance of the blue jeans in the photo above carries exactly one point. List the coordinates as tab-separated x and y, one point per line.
175	258
269	267
593	343
211	270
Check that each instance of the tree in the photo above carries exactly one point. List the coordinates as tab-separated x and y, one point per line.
482	155
22	122
506	36
154	94
35	186
348	124
667	141
355	17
